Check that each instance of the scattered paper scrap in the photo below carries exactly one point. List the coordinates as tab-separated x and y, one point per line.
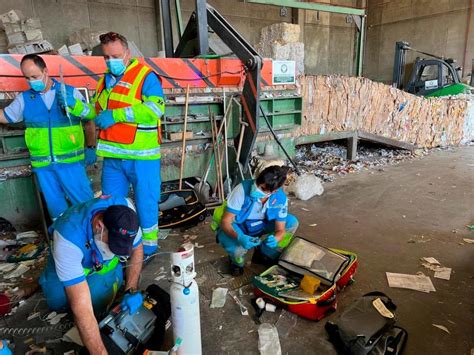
7	267
304	209
72	336
431	260
313	225
443	273
33	315
29	234
20	270
417	282
57	318
198	246
442	327
218	297
468	241
163	233
382	309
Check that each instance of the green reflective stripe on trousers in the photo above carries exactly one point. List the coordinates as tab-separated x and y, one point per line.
110	266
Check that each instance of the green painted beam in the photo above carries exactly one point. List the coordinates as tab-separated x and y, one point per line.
360	46
179	18
311	6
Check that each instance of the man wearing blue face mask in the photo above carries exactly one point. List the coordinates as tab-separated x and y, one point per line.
128	108
54	140
84	271
256	208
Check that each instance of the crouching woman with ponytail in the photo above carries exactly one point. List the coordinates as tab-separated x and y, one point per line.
256	216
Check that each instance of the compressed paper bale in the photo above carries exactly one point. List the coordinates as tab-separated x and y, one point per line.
34	35
282	32
306	187
340	103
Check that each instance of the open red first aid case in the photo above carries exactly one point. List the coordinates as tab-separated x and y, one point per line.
280	284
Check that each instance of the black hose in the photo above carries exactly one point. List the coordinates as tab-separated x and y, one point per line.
278	141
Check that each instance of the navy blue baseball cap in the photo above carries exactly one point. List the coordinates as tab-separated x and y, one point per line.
122	225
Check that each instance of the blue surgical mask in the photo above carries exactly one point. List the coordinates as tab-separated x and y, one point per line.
116	66
37	85
256	192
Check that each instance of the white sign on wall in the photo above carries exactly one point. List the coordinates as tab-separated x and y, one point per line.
284	72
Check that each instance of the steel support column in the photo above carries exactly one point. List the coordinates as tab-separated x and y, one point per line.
167	27
201	17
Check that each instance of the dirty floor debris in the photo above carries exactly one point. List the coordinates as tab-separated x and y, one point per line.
361	213
328	160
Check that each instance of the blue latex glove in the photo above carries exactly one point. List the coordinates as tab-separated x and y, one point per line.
132	302
105	119
271	241
247	241
5	350
91	157
150	249
70	99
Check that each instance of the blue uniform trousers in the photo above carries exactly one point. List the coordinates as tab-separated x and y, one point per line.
237	252
145	178
61	182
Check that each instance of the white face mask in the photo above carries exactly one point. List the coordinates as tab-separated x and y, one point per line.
103	247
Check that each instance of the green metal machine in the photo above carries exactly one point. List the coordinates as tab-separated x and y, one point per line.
433	77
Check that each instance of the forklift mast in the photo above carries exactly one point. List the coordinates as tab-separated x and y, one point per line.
428	75
194	42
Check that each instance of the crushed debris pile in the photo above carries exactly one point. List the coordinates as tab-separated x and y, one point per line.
327	161
14	172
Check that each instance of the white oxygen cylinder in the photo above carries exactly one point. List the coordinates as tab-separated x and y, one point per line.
186	319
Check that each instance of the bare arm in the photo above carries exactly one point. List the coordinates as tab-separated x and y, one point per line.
81	305
3	119
280	230
134	268
89	127
226	224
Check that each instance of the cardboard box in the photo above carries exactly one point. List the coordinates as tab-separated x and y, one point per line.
16	38
178	136
12	27
32	23
76	49
15	16
34	35
63	50
12	16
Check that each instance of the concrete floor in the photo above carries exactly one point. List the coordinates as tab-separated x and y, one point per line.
390	218
378	215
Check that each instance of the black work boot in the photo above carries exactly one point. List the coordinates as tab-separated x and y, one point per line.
259	258
235	270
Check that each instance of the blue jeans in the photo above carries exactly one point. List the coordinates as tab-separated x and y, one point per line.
237	252
145	178
103	288
61	182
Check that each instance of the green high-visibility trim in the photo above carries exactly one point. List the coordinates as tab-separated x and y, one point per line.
454	89
110	266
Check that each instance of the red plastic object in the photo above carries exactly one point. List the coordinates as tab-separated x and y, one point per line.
5	305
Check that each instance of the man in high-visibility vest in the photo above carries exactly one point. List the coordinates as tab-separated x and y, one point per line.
54	139
128	108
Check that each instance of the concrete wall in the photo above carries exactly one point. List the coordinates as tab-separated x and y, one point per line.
136	19
329	38
329	41
437	27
